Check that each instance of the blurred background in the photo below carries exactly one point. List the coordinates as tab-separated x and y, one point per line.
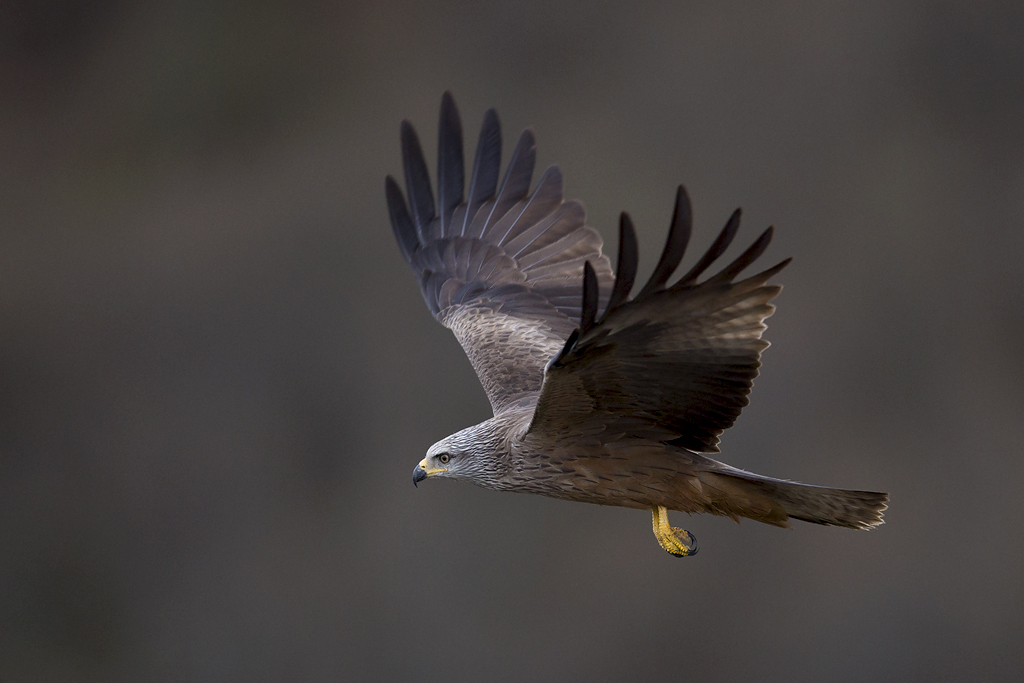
217	373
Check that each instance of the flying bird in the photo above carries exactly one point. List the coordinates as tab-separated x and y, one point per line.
599	395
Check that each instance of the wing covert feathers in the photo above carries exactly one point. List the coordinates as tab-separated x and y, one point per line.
680	356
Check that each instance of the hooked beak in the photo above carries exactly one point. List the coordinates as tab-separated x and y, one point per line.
423	471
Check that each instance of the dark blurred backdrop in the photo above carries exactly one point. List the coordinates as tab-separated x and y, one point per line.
217	373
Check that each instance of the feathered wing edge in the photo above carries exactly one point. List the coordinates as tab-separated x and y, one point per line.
680	231
501	233
513	254
653	353
679	234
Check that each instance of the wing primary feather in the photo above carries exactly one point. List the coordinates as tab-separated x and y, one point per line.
451	174
675	245
746	258
516	183
486	167
588	311
625	268
766	275
401	221
566	350
534	232
417	181
720	244
550	181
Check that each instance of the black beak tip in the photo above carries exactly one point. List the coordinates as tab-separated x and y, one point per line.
418	475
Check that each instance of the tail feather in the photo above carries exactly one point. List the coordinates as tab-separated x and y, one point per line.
817	504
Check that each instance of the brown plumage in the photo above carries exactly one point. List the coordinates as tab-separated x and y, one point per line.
597	397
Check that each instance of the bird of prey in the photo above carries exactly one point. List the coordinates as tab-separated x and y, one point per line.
598	396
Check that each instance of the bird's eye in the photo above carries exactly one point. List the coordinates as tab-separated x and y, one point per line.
444	458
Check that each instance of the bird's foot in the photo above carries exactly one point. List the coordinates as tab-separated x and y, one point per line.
678	542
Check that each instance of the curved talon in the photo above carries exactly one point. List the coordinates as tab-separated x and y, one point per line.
690	546
694	548
675	541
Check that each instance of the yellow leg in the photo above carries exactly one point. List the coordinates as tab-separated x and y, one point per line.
678	542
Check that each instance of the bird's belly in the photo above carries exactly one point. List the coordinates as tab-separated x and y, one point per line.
609	478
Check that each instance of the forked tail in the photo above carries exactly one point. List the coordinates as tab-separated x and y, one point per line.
818	504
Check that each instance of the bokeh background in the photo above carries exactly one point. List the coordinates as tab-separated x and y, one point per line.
217	373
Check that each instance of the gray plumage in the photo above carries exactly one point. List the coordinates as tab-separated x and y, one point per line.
597	397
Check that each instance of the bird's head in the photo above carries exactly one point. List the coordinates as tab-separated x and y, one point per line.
469	454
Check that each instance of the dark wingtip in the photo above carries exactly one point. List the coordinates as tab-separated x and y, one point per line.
528	136
625	269
451	180
774	270
401	221
486	166
752	253
410	138
675	246
588	311
721	243
417	180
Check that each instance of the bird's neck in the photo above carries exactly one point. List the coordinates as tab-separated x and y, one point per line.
500	438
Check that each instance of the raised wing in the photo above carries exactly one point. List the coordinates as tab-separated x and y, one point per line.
678	360
502	267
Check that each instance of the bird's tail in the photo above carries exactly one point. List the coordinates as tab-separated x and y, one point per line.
774	500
